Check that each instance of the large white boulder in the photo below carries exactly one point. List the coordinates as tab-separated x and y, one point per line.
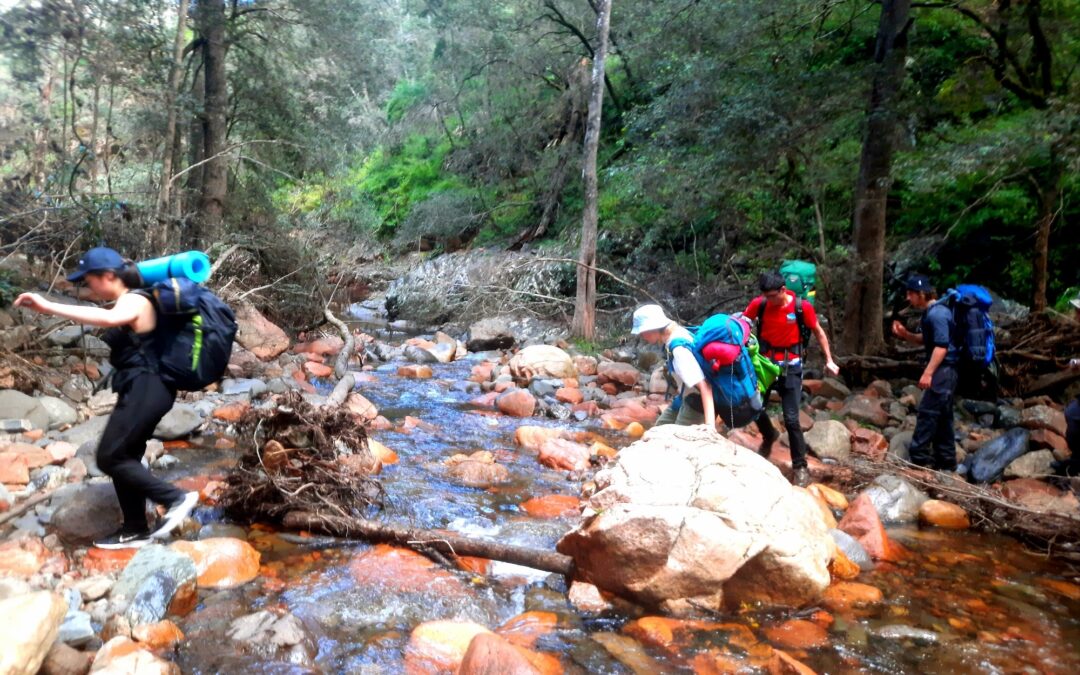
541	361
685	519
32	622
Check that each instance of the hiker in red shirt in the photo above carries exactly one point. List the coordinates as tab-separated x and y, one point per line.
780	318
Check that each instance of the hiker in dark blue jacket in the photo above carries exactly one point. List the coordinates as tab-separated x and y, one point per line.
933	445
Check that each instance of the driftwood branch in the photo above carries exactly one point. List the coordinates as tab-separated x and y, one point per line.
421	540
341	390
221	260
341	366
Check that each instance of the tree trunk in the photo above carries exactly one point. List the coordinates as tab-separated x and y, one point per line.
584	323
41	131
194	182
211	25
447	544
863	317
175	71
94	137
1049	194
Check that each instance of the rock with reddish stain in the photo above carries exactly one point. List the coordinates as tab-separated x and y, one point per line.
158	635
533	438
415	372
862	522
232	412
848	595
569	395
944	514
221	562
257	334
525	629
399	570
440	646
559	453
623	375
552	506
869	443
516	403
797	634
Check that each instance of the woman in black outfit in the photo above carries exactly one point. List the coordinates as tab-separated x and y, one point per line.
143	397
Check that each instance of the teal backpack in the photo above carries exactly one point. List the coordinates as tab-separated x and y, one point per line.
800	277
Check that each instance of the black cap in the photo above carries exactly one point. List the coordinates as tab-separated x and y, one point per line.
97	259
919	282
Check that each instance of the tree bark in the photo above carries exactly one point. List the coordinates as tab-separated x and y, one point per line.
194	182
211	24
584	323
548	561
864	313
175	71
1049	194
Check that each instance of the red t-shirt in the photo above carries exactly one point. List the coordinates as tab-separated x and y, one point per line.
779	326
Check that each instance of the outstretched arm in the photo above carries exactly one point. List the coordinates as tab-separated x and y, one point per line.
123	313
823	340
707	403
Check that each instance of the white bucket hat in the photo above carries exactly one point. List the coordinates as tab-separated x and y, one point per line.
1075	302
649	317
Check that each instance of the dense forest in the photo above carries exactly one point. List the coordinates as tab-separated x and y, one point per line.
874	138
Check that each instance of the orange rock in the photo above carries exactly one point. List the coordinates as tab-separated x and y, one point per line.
670	634
603	450
382	453
440	646
862	522
400	570
113	650
211	492
1070	591
328	346
834	499
516	403
318	369
22	557
841	567
845	595
786	664
569	395
35	456
869	443
107	560
14	469
797	634
525	629
559	453
158	635
634	430
415	372
534	438
221	562
224	444
358	405
552	506
614	422
822	618
61	451
504	386
232	412
361	465
482	372
943	514
177	444
468	563
588	598
492	655
823	507
590	408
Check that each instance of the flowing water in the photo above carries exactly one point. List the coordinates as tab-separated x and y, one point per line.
991	606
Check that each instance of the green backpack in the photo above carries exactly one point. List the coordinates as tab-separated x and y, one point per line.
800	278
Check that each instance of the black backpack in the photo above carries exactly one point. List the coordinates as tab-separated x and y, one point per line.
194	335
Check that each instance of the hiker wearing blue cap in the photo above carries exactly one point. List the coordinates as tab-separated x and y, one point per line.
143	398
933	443
694	404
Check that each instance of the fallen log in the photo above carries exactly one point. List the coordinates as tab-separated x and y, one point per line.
341	365
442	543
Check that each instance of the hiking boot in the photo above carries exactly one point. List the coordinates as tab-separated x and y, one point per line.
767	440
123	539
801	477
176	513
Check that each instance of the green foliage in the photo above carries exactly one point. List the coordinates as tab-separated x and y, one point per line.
406	95
9	287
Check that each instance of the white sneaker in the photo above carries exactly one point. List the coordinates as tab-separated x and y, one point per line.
176	514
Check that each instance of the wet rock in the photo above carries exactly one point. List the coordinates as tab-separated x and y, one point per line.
570	395
492	655
989	462
904	633
865	410
516	403
32	624
1035	464
65	660
231	412
525	629
240	386
944	514
586	597
257	334
1008	417
17	405
783	663
723	527
842	568
398	570
127	658
415	372
439	646
76	629
419	355
1043	417
552	506
541	388
162	634
863	523
847	595
835	500
444	352
541	361
89	513
896	500
533	437
477	470
156	581
797	634
566	455
627	411
830	440
275	635
179	422
221	562
60	413
490	334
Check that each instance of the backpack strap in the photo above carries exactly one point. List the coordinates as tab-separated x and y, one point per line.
800	323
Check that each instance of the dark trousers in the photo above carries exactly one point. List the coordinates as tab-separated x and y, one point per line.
934	443
789	386
1072	436
143	401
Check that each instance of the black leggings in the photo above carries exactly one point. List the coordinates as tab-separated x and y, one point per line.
143	401
789	386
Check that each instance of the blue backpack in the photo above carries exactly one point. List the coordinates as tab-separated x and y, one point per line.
735	387
194	335
970	306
